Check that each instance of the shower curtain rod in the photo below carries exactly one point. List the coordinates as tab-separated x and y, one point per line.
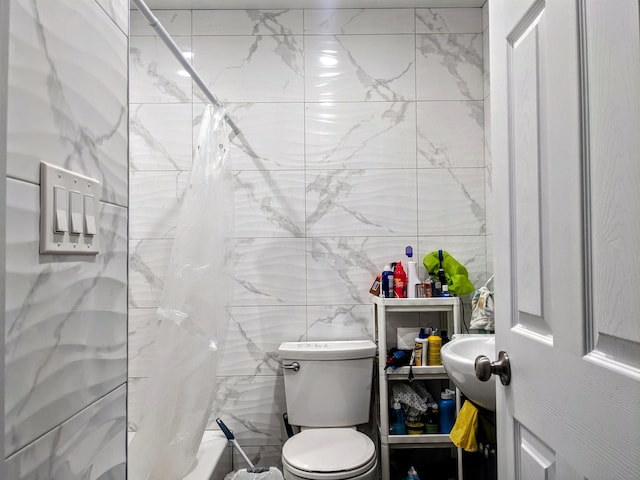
173	47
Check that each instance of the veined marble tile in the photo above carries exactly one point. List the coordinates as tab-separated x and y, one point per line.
255	333
247	22
486	76
448	20
361	202
341	269
490	268
450	134
359	21
274	133
343	68
143	327
470	251
269	203
269	271
340	322
360	135
155	75
252	407
90	445
161	136
136	387
155	203
176	22
485	15
148	261
118	10
451	201
257	68
449	66
66	320
265	455
59	110
487	130
489	197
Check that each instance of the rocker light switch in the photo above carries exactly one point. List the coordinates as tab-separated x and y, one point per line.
60	222
75	208
89	215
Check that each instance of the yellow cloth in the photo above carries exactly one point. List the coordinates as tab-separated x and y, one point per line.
463	433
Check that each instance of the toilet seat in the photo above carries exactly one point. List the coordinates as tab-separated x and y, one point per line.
329	454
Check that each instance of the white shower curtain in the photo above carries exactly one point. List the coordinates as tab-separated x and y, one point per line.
193	316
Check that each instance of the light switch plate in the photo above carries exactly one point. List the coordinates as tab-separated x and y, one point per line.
66	243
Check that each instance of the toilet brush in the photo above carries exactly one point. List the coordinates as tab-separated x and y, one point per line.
229	434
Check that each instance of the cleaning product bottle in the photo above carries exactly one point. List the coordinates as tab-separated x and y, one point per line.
387	282
412	474
445	290
447	410
412	274
400	281
432	422
420	349
434	345
398	424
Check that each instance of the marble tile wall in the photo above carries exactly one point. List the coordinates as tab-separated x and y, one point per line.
66	316
368	129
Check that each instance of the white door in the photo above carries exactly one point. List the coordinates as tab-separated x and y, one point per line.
565	126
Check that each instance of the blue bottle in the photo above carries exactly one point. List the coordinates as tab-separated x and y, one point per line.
447	410
387	282
398	420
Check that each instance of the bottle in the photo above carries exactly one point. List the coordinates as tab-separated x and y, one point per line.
420	349
432	423
400	281
398	424
445	290
447	410
414	426
387	282
434	344
428	291
444	336
412	275
412	474
441	276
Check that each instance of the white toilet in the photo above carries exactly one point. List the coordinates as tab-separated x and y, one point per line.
328	392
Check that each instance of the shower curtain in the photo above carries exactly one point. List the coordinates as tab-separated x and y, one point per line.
193	316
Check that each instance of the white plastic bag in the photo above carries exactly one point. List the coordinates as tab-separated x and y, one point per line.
271	474
482	308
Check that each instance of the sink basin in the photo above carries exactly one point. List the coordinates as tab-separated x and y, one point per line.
458	359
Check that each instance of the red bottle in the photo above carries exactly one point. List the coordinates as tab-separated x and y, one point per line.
400	281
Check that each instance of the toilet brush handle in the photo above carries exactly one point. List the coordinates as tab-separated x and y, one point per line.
227	433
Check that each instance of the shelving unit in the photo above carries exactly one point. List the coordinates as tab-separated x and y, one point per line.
381	307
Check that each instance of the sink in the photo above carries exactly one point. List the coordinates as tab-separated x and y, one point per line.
458	359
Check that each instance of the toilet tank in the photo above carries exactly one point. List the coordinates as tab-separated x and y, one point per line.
332	388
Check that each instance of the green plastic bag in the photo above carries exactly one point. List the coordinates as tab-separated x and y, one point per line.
455	273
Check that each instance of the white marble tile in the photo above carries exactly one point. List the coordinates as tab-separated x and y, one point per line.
490	268
263	456
470	251
487	130
361	202
485	16
160	137
360	135
252	407
148	261
155	75
359	21
274	133
136	387
449	66
486	76
341	269
255	333
90	445
450	134
269	203
451	201
176	22
448	20
60	111
155	203
359	68
340	322
118	11
247	22
489	197
143	328
269	271
262	68
65	320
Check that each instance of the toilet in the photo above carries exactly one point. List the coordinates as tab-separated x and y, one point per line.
328	392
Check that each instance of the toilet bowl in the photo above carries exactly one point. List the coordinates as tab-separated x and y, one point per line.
329	454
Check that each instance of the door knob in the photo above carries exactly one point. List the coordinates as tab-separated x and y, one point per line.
485	368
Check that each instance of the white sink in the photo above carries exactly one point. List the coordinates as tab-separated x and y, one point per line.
458	359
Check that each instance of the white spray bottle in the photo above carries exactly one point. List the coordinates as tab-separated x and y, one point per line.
412	274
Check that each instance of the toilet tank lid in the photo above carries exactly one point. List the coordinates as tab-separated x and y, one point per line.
329	350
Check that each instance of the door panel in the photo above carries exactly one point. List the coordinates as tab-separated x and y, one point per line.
565	112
